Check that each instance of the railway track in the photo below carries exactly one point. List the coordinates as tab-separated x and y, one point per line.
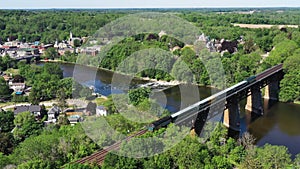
268	72
99	156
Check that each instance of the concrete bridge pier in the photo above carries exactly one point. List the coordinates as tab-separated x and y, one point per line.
254	101
231	117
271	91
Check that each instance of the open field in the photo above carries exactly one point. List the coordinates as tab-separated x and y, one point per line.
256	26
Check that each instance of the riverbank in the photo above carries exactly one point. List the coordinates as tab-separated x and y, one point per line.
160	82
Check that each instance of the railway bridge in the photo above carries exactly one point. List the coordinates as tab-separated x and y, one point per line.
228	101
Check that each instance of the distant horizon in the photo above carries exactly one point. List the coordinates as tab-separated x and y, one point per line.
146	4
233	7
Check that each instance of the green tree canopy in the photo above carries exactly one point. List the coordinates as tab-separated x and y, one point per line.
6	121
26	125
136	96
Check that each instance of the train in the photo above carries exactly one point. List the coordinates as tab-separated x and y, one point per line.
192	110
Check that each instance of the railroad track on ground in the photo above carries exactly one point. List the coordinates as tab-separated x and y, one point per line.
98	157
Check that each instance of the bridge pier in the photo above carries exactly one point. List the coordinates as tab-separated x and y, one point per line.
231	116
271	91
254	101
200	122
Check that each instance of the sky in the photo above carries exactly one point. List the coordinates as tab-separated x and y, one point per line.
45	4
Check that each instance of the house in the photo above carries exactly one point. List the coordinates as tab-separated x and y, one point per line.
93	51
62	51
11	52
72	39
53	113
20	109
28	51
230	46
17	87
33	109
17	84
101	111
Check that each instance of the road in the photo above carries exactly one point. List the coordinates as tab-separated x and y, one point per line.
77	102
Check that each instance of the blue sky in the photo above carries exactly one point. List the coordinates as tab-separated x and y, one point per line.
16	4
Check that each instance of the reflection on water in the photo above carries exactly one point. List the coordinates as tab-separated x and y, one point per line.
279	126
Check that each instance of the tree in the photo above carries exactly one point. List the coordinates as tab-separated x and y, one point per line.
282	51
160	161
114	161
61	96
6	121
189	159
4	89
91	107
77	43
54	147
136	96
297	161
4	160
63	120
81	166
85	92
34	96
6	142
273	156
26	126
290	85
6	62
51	53
249	46
36	164
53	69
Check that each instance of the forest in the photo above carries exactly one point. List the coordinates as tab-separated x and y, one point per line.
35	146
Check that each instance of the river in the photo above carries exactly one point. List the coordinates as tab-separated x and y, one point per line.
280	124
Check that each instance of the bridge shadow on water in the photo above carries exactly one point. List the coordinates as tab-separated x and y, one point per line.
248	118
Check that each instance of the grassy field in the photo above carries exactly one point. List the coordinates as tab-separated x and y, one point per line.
297	102
12	71
100	100
256	26
6	104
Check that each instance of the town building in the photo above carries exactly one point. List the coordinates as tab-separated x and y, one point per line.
33	109
53	113
101	111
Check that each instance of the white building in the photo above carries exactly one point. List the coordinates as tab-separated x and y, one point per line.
101	111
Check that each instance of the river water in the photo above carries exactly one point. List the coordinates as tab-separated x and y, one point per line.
280	124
